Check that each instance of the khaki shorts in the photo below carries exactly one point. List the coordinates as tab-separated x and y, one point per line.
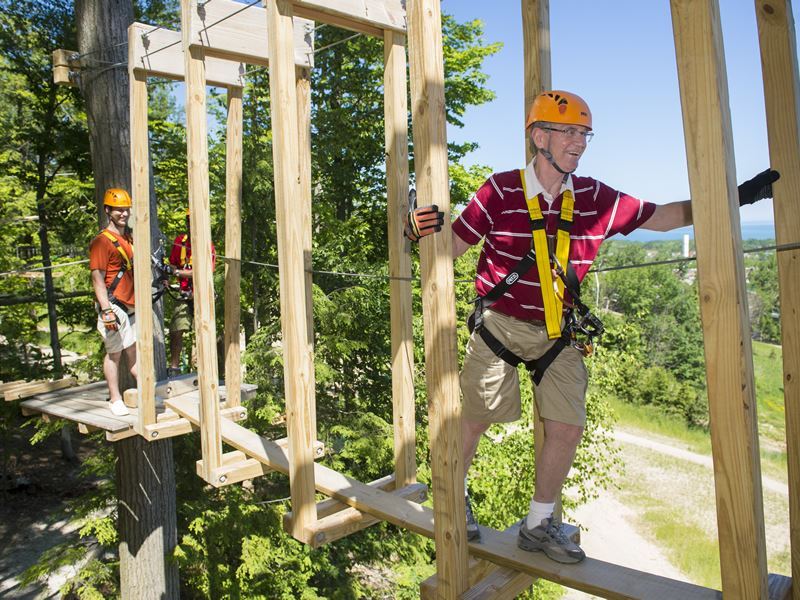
490	386
124	336
182	315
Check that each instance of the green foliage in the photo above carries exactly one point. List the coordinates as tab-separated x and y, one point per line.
234	548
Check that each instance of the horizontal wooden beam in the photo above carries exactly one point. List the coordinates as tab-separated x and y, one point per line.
235	468
235	31
351	520
330	506
158	52
366	16
19	391
175	386
490	581
593	576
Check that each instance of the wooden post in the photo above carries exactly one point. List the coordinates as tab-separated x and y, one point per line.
538	78
536	45
233	246
723	298
142	270
782	94
303	88
298	363
200	223
396	117
438	297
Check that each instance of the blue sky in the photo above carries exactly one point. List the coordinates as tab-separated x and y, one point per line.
620	57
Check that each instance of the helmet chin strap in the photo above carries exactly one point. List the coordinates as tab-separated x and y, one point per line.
549	156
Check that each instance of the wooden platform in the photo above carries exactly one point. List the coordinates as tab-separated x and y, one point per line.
592	575
86	405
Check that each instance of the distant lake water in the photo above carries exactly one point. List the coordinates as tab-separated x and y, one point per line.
752	230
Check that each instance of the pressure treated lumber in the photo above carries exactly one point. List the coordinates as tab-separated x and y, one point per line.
298	362
202	270
158	52
303	90
330	506
365	16
438	297
17	391
340	524
400	311
64	65
592	576
233	245
87	405
142	270
779	66
723	298
536	48
237	32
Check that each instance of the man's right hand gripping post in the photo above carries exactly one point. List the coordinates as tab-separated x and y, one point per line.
109	319
421	221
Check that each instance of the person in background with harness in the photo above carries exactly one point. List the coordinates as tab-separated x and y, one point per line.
111	265
180	258
541	228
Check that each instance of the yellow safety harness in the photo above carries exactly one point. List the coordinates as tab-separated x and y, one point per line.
126	264
184	253
586	325
552	295
126	259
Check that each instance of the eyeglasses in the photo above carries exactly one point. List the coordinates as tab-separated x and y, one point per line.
573	133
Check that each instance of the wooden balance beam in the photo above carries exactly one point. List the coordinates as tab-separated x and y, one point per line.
592	575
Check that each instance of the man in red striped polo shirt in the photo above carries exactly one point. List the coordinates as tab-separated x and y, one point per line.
576	214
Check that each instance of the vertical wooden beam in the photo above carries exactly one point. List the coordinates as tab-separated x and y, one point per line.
395	108
202	270
233	247
142	274
776	34
438	297
303	87
298	363
723	298
538	78
536	45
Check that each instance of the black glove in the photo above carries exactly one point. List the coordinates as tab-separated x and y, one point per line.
421	221
758	188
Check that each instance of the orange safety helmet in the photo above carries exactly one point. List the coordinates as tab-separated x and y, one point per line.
557	106
188	212
117	198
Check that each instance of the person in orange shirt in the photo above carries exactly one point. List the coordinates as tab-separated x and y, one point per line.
111	265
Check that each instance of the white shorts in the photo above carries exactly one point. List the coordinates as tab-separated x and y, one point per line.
124	336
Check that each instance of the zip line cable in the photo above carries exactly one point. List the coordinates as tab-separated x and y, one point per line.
776	247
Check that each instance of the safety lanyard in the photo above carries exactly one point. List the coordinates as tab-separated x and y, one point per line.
127	261
184	253
551	294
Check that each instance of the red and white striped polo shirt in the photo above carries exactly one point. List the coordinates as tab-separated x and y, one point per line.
498	213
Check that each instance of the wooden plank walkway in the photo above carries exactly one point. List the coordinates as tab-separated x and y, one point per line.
592	576
87	405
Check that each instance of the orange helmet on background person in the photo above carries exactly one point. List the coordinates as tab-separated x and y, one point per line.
188	212
117	198
557	106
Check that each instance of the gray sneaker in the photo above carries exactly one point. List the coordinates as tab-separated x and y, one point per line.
473	533
549	537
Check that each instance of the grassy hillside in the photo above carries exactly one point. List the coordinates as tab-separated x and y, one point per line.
768	371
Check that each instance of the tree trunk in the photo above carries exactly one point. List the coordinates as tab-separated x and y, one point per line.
145	470
146	491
